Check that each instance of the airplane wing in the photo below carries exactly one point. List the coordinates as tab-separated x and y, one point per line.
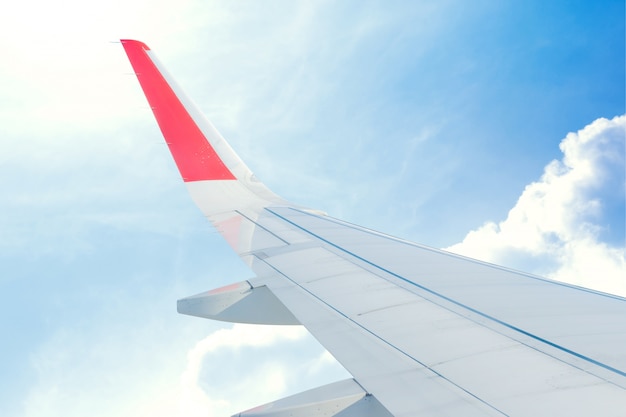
422	331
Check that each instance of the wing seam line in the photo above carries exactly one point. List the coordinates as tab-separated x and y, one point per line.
262	227
508	325
383	340
453	255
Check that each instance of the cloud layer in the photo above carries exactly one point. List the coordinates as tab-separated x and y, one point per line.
557	228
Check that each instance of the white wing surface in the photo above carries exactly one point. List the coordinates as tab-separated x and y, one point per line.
422	331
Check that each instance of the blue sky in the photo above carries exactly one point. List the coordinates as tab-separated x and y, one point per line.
433	122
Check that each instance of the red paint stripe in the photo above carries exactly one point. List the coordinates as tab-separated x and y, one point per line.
194	156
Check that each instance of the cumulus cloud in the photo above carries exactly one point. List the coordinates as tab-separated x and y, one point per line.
196	401
238	368
559	225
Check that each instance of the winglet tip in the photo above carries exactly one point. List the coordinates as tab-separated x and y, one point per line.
134	42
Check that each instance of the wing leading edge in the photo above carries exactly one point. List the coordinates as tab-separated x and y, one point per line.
420	330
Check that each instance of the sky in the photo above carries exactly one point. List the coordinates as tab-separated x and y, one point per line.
492	129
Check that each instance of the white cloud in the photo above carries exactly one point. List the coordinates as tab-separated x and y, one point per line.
555	227
270	382
234	369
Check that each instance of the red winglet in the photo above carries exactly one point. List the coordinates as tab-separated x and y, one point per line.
194	156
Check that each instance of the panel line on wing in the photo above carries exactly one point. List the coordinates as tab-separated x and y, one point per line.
262	227
452	255
478	312
386	342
